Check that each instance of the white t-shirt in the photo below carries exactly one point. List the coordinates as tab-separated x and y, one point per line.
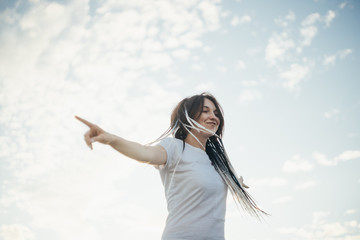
195	194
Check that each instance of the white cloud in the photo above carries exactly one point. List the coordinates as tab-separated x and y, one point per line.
249	83
333	113
291	16
284	22
277	46
350	211
308	33
348	155
151	45
309	30
225	13
221	68
241	64
294	75
297	164
345	156
345	53
319	217
278	52
351	135
321	228
181	54
16	232
311	19
322	159
236	20
205	87
329	60
245	19
211	14
334	229
283	199
329	17
283	51
174	80
343	5
255	51
207	49
197	66
281	22
249	96
269	182
305	185
141	35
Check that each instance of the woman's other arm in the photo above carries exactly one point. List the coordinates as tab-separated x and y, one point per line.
155	155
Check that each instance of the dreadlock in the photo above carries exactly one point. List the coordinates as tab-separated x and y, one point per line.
219	159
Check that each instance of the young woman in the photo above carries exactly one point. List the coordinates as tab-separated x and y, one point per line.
194	168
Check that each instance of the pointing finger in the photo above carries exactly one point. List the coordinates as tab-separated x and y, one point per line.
87	123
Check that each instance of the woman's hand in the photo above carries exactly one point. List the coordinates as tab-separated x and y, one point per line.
155	155
95	134
241	180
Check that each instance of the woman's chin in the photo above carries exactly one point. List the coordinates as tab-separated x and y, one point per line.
211	132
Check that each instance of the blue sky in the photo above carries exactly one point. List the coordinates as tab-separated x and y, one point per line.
285	72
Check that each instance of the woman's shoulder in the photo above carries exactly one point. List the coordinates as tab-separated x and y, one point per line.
166	142
173	148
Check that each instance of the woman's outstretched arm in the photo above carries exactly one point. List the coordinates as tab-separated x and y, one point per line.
155	155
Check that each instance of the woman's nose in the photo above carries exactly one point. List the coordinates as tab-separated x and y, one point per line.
213	116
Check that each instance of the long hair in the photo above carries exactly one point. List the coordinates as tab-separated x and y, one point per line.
183	119
189	109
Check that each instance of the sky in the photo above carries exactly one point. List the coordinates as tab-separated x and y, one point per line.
285	72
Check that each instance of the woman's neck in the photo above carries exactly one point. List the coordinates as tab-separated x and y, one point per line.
190	139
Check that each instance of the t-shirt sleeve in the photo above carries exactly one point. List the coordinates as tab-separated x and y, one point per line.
171	146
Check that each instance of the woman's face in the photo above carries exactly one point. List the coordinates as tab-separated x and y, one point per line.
209	116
